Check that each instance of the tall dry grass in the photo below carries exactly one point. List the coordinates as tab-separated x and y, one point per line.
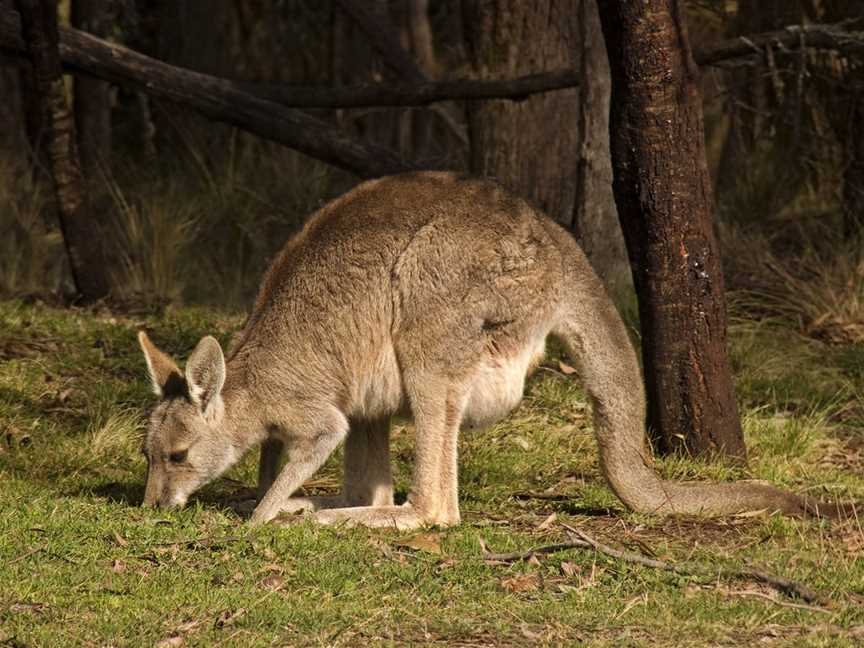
808	276
187	229
31	248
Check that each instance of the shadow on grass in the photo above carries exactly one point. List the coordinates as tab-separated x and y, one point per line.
574	508
128	493
132	494
16	402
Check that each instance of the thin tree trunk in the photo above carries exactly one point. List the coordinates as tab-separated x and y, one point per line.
12	134
531	146
383	37
92	96
844	103
663	192
853	175
81	236
595	222
418	33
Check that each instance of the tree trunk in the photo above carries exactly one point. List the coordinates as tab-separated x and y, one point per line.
12	134
853	175
595	220
92	96
844	99
531	146
192	34
663	192
80	235
383	37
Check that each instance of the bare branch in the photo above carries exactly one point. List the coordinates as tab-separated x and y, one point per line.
420	94
830	36
581	540
214	97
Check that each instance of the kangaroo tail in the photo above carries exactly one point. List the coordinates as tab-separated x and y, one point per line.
597	341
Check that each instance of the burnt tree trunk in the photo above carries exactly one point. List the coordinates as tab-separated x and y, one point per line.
663	192
80	234
92	97
531	146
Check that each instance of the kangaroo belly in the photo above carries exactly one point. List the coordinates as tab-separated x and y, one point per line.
500	384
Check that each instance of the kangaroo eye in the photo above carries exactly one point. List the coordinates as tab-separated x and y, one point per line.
178	457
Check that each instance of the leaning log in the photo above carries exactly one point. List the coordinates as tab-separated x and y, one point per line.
215	98
369	95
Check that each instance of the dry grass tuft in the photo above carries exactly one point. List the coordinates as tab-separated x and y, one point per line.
817	285
31	251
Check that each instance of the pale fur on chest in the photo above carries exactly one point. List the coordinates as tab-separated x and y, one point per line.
496	389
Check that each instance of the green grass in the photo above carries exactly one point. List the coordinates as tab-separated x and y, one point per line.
82	564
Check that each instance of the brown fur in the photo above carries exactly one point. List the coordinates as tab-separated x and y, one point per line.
424	293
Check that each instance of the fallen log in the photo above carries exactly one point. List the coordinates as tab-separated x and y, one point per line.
217	98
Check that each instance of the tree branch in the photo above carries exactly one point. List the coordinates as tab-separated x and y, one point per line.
263	109
829	36
581	540
419	94
214	97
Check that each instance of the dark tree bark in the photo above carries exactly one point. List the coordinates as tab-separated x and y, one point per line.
531	146
663	192
12	135
81	234
595	220
92	96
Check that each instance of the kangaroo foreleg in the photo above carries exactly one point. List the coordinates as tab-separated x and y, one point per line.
312	443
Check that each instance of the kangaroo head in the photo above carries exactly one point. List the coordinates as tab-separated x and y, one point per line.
185	446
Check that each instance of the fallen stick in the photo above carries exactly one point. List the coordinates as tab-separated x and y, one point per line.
581	540
526	555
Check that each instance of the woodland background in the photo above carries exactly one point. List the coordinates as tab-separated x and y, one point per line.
167	206
178	215
781	128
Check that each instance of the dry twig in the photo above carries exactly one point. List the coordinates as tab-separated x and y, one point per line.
581	540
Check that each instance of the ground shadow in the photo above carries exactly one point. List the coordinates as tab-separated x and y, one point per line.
128	493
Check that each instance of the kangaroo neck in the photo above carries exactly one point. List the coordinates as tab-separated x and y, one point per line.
243	419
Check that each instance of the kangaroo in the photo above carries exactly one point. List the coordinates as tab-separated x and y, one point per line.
428	294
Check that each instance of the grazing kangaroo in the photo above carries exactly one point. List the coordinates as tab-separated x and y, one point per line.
428	294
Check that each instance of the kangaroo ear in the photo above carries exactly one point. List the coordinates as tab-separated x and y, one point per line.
205	372
164	374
